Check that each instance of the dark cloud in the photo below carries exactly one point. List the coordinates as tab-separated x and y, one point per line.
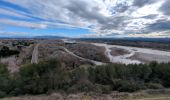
120	8
160	25
114	23
141	3
81	9
165	8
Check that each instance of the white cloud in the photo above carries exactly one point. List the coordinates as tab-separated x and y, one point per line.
153	35
23	23
148	10
107	17
12	13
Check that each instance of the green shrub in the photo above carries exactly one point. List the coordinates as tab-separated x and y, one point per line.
154	86
81	87
102	89
51	76
128	86
42	77
2	94
5	52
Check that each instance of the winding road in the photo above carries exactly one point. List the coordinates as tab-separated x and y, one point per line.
85	59
34	59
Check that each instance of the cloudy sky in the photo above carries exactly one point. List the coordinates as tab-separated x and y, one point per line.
85	18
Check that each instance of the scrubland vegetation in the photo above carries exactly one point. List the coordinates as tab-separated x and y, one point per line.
51	76
88	51
5	52
22	43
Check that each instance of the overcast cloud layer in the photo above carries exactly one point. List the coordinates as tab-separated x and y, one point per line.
107	18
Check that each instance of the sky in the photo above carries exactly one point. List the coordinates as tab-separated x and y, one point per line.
85	18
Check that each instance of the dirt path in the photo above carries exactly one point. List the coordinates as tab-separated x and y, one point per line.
34	59
92	61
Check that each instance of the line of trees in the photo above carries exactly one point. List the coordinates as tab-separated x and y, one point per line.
50	76
23	43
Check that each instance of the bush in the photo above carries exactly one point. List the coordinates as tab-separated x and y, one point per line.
2	94
51	76
154	86
81	87
6	84
126	86
131	77
5	52
42	77
102	89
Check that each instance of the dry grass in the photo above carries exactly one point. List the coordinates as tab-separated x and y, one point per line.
95	96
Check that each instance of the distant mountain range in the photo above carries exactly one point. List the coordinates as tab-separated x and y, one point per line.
167	40
35	37
49	37
160	40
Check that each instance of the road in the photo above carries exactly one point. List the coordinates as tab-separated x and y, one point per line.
34	59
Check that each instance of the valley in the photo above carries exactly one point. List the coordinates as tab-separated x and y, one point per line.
83	69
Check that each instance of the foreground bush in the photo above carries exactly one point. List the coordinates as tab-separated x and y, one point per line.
42	77
132	77
52	76
5	81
